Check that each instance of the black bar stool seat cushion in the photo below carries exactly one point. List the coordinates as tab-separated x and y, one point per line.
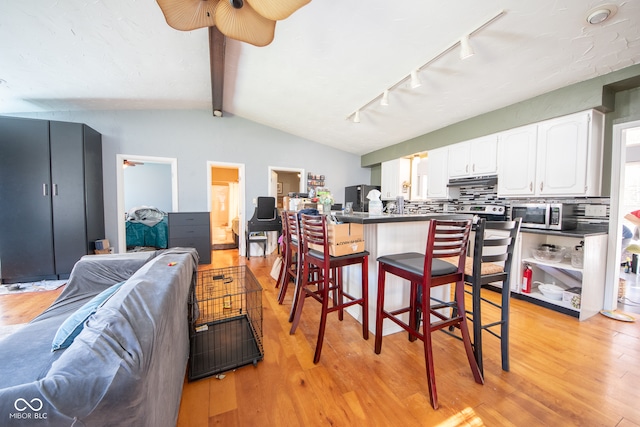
413	262
320	255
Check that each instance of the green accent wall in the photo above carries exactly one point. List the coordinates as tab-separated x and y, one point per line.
615	94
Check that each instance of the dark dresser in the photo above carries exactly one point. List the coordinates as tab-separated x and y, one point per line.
191	230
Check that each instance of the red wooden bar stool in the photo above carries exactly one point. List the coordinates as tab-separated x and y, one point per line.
446	238
291	253
315	254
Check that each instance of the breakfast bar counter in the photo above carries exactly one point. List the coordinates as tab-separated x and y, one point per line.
388	234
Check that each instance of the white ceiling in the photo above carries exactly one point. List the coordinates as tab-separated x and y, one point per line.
327	60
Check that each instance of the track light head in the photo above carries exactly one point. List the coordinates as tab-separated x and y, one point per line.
385	98
415	80
356	117
465	48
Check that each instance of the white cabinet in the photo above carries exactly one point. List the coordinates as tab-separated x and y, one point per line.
517	161
476	157
569	158
558	157
395	179
586	297
437	174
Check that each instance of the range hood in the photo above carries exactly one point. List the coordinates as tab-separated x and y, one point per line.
486	181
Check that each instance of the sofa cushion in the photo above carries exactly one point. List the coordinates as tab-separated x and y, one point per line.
71	327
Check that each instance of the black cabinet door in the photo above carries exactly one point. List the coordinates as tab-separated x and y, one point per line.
67	180
26	235
93	192
76	178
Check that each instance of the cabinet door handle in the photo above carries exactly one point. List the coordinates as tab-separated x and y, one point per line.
55	189
531	186
473	167
541	186
466	168
45	189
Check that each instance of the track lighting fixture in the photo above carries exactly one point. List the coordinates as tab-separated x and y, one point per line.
465	48
414	80
385	98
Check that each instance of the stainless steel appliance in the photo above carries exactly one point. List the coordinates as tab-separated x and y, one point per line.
357	194
546	216
489	212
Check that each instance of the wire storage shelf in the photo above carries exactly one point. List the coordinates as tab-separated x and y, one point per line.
227	332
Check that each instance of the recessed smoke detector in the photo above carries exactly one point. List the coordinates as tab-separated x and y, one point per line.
599	14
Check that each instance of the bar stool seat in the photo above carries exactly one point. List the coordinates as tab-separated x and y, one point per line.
327	278
446	238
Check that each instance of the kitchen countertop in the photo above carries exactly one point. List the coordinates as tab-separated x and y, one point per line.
366	218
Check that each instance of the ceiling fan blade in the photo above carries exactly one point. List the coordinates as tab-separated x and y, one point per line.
188	15
244	24
276	10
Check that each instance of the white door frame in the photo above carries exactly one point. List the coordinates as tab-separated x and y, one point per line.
120	158
614	251
275	169
241	198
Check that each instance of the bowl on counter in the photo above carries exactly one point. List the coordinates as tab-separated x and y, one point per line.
549	253
550	290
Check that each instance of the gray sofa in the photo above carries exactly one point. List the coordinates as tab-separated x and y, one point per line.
127	365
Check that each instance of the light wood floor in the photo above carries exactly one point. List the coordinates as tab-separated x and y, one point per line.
563	372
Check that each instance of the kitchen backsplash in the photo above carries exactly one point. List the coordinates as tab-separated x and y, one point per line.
482	195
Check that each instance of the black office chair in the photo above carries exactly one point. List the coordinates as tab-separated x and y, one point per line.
265	218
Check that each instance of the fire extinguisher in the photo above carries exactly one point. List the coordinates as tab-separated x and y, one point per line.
527	275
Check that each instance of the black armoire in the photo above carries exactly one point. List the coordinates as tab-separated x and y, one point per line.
51	205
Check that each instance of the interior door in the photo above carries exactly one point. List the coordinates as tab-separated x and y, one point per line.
26	234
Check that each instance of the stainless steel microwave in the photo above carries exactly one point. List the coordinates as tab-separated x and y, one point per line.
546	216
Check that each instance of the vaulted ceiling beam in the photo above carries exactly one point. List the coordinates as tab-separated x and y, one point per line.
217	43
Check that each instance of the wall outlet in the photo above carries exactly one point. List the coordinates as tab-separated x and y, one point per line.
595	210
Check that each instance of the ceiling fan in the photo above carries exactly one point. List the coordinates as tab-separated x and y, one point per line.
250	21
130	163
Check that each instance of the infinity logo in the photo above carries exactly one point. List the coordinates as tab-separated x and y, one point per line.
24	404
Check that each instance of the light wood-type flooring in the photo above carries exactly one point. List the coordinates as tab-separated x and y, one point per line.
563	372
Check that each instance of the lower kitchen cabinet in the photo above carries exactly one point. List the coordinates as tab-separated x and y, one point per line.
583	294
191	230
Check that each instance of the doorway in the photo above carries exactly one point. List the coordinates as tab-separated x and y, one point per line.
225	201
144	181
283	181
625	185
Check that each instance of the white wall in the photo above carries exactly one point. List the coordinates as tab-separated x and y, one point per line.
195	137
148	184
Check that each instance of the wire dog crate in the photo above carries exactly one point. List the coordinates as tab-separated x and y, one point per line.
227	332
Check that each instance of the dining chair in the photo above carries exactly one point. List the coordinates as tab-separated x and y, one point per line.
445	239
490	265
291	253
328	278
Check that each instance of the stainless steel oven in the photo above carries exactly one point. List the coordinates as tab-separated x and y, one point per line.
546	216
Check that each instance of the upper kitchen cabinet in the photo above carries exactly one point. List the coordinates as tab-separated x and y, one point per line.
569	161
396	179
517	161
558	157
476	157
437	174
